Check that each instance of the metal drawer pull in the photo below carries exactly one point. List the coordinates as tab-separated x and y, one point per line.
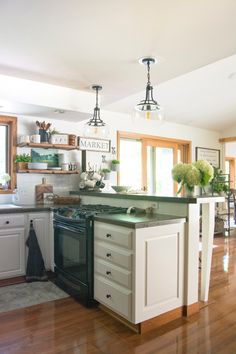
7	222
108	235
108	254
108	296
108	272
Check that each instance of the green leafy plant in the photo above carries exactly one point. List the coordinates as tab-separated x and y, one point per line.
115	162
106	170
219	183
53	131
23	158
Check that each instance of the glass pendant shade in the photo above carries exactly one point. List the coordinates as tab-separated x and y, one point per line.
149	108
95	127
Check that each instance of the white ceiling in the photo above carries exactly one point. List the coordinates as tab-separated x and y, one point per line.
78	43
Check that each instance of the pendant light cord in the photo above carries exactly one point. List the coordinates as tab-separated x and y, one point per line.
148	72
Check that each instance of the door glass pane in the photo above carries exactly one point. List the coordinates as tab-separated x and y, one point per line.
164	165
131	163
159	165
227	167
3	149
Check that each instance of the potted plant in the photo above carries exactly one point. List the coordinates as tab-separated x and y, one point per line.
115	165
106	173
219	183
22	161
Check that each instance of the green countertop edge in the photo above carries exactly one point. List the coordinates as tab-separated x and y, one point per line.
116	219
147	197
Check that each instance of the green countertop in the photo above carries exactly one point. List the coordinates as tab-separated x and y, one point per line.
138	221
5	209
146	197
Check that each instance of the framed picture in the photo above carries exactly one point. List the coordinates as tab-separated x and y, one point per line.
210	155
50	156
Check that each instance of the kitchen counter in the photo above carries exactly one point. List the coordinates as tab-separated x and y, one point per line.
11	208
138	221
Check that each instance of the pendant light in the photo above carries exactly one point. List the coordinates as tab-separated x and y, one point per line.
95	127
149	108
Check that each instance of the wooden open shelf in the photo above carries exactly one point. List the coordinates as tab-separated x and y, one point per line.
48	146
57	172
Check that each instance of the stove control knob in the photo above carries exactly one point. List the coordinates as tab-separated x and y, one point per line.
108	272
108	296
108	235
108	255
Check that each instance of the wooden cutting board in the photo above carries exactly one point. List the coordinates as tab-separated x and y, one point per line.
40	189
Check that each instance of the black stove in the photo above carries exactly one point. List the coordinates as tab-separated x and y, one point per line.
85	211
73	247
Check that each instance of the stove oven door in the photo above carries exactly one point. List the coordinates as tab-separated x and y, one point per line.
70	250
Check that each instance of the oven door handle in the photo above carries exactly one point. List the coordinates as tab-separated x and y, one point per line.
70	228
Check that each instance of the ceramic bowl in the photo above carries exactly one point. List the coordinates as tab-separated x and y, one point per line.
121	189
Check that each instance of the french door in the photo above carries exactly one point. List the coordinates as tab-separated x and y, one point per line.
160	157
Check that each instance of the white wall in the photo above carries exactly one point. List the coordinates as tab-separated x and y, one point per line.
229	132
62	184
230	149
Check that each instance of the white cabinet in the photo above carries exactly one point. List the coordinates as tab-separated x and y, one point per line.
139	273
12	245
42	222
113	259
159	270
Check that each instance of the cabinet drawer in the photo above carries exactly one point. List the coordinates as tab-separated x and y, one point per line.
8	221
113	296
113	254
119	235
112	272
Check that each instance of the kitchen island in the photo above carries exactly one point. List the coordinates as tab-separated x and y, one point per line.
186	207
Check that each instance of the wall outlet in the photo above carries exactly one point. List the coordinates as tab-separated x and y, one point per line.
155	205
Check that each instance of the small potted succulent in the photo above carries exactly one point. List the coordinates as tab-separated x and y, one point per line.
106	173
115	165
22	161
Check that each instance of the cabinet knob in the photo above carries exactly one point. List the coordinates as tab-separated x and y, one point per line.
108	296
7	222
108	255
108	235
108	272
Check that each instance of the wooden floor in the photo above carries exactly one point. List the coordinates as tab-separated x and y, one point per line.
64	326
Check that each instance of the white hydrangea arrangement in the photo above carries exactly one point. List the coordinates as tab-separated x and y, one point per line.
206	171
186	175
198	173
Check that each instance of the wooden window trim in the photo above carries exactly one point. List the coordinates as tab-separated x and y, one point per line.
145	138
12	123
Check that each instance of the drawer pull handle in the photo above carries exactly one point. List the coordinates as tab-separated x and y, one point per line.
108	272
108	235
108	255
7	222
108	296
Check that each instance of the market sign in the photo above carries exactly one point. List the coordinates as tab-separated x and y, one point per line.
93	144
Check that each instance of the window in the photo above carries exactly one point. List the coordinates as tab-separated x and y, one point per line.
8	149
146	161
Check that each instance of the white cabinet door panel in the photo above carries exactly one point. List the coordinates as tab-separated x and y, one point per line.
12	253
159	270
42	227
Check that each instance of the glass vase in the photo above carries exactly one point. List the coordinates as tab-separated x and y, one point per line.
189	192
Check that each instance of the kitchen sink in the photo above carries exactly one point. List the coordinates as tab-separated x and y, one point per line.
9	206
